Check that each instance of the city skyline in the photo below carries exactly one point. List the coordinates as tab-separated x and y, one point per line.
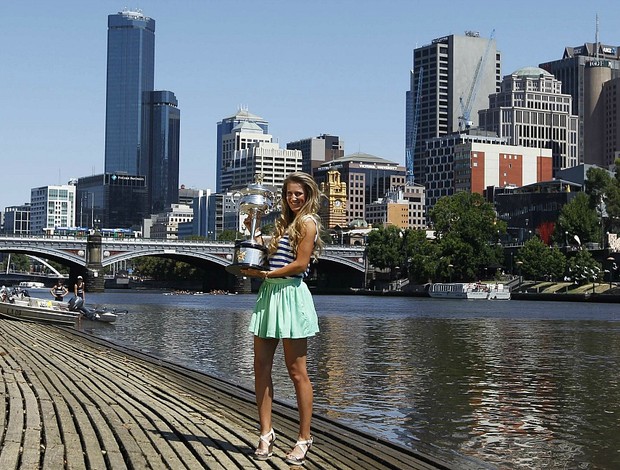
339	68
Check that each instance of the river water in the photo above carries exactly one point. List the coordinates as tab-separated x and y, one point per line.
508	384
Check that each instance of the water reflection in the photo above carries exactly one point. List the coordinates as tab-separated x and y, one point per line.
514	384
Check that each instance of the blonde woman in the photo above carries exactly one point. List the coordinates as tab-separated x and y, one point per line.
285	311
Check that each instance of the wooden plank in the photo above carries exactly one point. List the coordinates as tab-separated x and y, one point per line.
104	406
31	448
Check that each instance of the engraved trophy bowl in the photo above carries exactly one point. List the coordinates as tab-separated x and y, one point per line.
254	201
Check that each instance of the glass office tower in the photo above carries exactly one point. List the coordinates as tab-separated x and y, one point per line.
159	160
131	64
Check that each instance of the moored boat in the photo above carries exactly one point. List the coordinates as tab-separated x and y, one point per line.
18	306
31	285
469	290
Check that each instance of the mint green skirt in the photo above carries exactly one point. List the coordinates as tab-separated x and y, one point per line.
284	309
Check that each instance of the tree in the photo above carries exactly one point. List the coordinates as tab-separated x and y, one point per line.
229	236
424	264
578	217
583	268
468	234
385	250
541	261
604	193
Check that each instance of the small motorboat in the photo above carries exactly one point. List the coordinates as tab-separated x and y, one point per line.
17	304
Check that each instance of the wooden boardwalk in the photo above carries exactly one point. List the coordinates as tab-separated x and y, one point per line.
77	402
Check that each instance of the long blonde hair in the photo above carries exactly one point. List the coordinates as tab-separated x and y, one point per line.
294	224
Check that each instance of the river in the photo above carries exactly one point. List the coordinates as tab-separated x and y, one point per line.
511	384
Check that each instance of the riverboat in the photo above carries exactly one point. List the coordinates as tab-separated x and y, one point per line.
31	285
23	307
471	291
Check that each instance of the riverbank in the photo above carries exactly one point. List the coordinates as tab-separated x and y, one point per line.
72	399
543	291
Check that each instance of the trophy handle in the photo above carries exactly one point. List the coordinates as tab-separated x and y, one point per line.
253	222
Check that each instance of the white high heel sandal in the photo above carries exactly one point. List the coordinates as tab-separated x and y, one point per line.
305	447
268	439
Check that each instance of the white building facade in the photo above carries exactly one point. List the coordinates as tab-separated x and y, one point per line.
166	225
50	207
478	165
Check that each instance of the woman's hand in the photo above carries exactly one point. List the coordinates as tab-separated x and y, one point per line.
251	272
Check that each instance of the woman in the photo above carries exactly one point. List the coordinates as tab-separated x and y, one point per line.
79	288
59	291
285	310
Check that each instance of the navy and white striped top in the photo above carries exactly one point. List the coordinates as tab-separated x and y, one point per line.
284	255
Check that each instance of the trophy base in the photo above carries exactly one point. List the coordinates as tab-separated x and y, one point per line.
248	255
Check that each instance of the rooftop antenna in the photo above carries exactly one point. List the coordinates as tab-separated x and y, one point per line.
596	37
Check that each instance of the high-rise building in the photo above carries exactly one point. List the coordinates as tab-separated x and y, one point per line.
317	150
111	200
261	160
531	111
450	81
51	207
583	70
130	72
235	133
17	219
159	160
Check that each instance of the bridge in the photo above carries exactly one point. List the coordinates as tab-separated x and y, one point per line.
89	256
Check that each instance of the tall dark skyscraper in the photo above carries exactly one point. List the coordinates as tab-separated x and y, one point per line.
131	70
159	160
142	125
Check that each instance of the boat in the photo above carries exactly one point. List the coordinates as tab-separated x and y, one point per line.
18	305
31	285
469	290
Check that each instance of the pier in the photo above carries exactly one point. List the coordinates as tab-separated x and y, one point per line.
74	401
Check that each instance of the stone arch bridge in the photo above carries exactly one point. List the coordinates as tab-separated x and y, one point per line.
89	256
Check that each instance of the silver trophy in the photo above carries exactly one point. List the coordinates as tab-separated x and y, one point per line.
254	201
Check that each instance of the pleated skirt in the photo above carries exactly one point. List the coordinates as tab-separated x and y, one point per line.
284	309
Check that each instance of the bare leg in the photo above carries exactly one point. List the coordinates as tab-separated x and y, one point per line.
264	350
295	353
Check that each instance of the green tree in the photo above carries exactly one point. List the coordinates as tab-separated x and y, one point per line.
229	236
424	263
541	261
578	217
583	268
385	249
468	234
19	262
604	192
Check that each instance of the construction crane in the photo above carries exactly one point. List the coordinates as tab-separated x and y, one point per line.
414	130
464	119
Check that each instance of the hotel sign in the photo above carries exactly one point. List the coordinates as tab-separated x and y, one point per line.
374	166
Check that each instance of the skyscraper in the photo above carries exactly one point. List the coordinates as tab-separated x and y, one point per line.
451	80
131	64
531	110
245	122
159	160
583	70
317	150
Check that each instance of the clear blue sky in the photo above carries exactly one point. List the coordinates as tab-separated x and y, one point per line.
309	67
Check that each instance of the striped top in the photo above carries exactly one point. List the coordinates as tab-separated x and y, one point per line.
284	255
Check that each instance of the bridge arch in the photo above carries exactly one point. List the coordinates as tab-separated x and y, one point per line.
188	256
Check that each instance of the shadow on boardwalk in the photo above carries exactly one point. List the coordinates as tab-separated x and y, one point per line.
73	401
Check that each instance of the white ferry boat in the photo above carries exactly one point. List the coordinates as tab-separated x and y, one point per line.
471	290
31	285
